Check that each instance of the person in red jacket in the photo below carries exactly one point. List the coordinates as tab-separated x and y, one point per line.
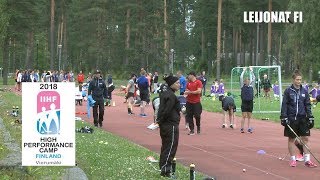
80	77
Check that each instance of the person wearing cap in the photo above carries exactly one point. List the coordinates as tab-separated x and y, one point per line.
168	119
194	107
98	90
228	106
130	93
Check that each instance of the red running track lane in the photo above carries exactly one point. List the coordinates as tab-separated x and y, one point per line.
217	152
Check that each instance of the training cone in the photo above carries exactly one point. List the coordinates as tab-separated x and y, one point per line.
113	103
261	152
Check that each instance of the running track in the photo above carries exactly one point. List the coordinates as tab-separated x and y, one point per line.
217	152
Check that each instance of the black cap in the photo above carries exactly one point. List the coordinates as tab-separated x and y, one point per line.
171	80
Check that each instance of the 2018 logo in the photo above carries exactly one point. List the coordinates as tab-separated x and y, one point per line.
48	112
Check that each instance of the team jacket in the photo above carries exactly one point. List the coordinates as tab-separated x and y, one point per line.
169	109
226	102
295	104
98	89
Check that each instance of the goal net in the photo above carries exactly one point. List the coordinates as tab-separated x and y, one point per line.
264	101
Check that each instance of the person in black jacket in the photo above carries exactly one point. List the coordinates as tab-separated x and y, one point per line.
247	98
228	106
266	86
98	90
168	119
296	112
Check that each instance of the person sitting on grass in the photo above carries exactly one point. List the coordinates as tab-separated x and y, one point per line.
220	90
276	91
314	92
305	86
214	88
228	106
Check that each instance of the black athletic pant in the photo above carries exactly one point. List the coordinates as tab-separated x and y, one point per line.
99	103
170	138
193	110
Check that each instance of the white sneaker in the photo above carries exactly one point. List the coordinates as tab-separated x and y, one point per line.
187	126
299	157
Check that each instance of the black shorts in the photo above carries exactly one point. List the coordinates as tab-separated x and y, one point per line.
234	109
129	94
247	106
299	126
144	96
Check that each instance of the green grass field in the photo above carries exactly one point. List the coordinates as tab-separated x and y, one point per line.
101	155
105	156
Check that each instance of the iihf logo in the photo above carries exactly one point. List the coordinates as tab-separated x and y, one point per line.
48	112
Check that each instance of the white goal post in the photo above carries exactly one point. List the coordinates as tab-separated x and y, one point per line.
257	72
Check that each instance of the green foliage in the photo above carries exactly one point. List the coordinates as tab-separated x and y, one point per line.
97	32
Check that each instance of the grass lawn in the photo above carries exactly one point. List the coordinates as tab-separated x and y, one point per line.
101	155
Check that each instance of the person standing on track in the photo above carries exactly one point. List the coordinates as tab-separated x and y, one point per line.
194	107
168	119
228	107
296	113
130	93
143	86
182	81
98	90
246	98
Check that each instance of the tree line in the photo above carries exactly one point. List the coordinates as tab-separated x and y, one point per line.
121	36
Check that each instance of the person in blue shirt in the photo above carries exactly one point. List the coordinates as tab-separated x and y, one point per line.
143	86
183	82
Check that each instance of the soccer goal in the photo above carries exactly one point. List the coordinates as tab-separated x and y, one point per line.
262	103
